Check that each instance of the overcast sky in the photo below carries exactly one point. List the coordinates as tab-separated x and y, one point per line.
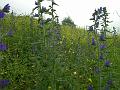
79	10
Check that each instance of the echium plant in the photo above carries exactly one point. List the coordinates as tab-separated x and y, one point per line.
3	47
6	8
52	11
104	46
100	41
96	19
43	10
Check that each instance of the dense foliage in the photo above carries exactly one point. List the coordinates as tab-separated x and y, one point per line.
39	54
68	21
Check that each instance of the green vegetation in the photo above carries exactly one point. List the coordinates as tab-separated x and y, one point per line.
68	21
40	55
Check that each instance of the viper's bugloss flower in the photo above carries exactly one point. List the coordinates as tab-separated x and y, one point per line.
10	33
102	47
48	19
6	8
36	15
42	23
90	87
2	14
44	9
93	41
97	70
3	47
100	8
36	3
109	82
4	83
101	57
107	63
102	37
90	28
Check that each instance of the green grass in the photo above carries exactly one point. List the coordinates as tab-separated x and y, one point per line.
36	60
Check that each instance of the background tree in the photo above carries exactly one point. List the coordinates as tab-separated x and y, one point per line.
68	21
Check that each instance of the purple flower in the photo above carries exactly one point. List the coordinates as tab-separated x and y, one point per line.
42	23
48	19
6	8
3	47
90	28
107	63
101	57
2	14
43	9
36	15
102	37
109	82
102	47
10	33
97	70
90	87
93	41
36	3
4	83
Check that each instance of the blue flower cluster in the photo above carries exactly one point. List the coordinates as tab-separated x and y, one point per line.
6	9
3	47
98	16
4	83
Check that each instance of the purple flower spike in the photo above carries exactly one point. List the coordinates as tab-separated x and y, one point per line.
42	23
6	8
44	9
93	41
10	33
36	3
3	47
2	14
107	63
97	70
4	83
102	37
102	47
109	82
36	15
90	87
101	57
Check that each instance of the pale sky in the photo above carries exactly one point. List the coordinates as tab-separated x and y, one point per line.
79	10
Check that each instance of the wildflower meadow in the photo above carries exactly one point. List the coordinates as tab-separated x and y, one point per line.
38	53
